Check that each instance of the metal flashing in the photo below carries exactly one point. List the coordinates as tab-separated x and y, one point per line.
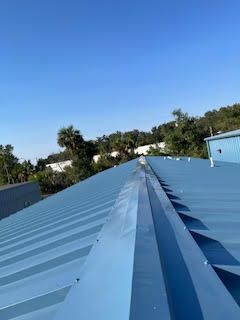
106	277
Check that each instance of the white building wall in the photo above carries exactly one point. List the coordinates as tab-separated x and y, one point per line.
140	150
144	149
59	166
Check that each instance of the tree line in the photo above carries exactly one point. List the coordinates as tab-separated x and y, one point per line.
183	136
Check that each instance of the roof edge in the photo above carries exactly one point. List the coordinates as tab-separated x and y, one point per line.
228	134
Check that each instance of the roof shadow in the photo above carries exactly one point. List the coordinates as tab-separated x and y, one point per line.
173	197
191	222
179	206
231	282
167	190
214	250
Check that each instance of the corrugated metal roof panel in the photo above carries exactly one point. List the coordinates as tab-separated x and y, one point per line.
208	202
175	282
43	247
155	239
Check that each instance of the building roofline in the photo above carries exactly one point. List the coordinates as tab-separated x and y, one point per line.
15	185
229	134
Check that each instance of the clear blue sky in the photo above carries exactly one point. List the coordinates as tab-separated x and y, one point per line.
107	65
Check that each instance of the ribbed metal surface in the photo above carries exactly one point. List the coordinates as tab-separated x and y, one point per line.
147	264
43	247
154	239
227	149
208	202
17	197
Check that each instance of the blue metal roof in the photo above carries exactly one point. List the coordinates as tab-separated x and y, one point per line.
43	247
208	202
150	239
228	134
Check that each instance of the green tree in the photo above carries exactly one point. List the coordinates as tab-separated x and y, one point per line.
157	134
81	152
186	139
156	151
51	182
103	145
7	164
58	157
105	161
70	138
41	164
27	169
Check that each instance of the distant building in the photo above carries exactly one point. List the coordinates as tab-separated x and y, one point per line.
224	146
97	156
59	166
143	150
15	197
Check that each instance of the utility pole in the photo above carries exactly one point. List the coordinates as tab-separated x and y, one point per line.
211	131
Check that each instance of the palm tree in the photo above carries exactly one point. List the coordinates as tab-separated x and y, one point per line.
70	138
27	169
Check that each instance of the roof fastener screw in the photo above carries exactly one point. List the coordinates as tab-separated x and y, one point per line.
206	262
77	280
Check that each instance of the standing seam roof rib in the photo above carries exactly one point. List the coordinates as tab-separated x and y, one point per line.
208	201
